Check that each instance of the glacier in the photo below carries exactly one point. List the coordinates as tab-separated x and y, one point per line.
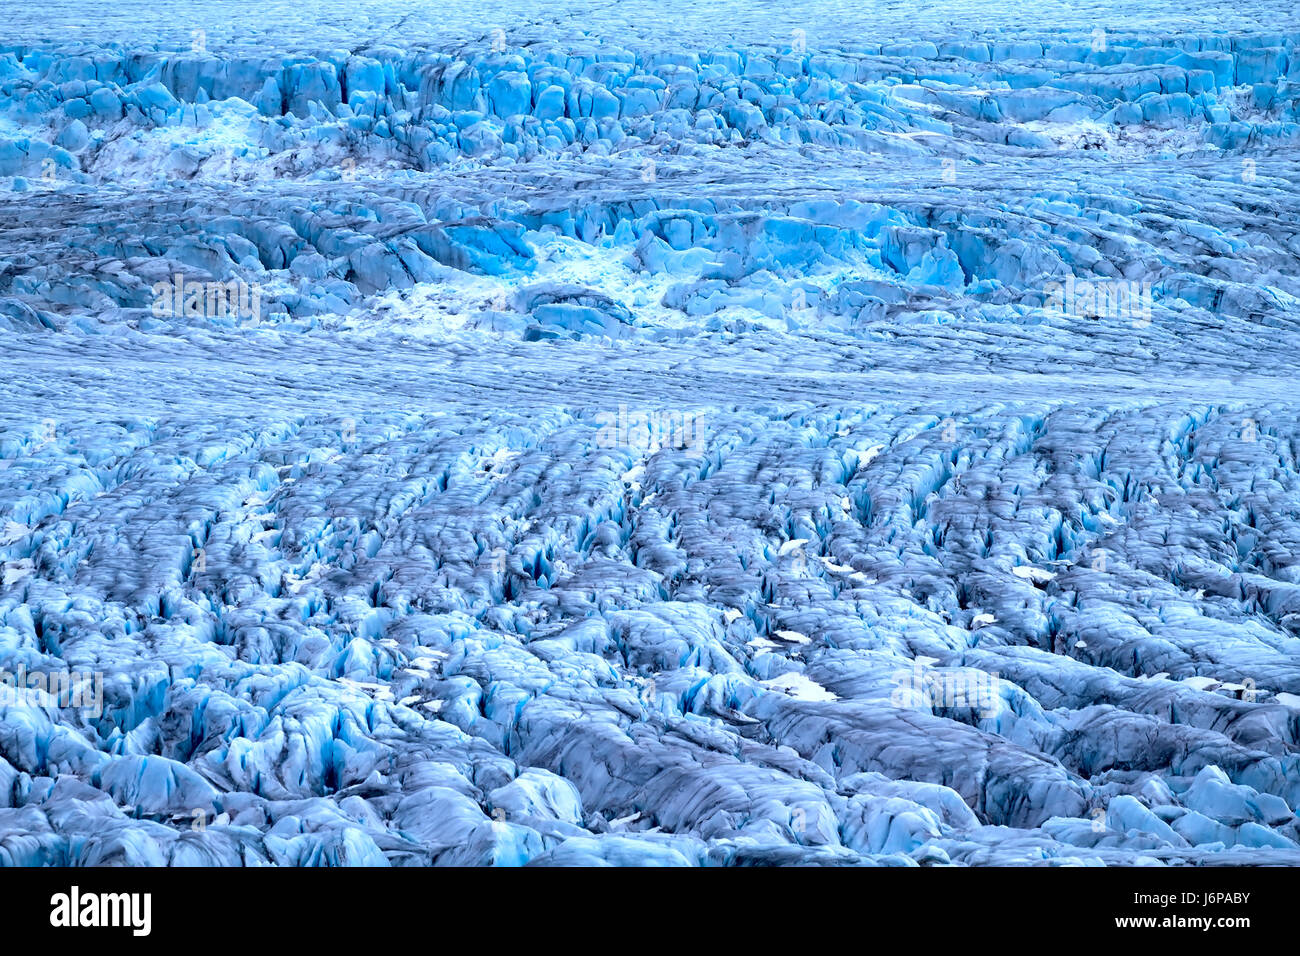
649	434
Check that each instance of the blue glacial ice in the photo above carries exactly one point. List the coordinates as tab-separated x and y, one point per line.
649	433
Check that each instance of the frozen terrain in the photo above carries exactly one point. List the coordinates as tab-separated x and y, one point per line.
649	433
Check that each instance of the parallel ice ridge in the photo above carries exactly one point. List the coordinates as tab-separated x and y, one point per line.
283	24
1021	633
588	188
650	433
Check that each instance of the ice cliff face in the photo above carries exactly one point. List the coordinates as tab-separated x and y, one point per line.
649	433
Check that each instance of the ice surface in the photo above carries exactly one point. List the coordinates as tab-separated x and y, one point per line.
649	433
